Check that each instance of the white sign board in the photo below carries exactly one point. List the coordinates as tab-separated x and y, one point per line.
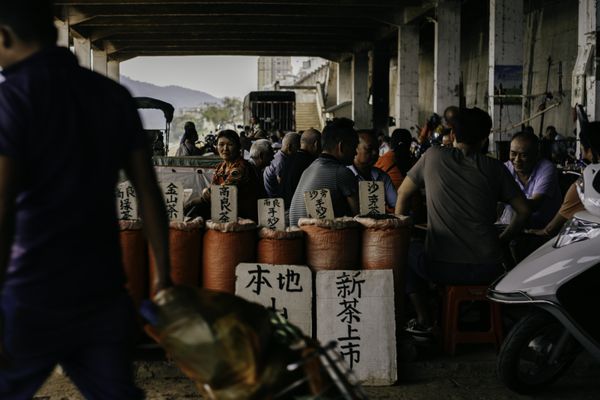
173	194
271	214
356	309
223	203
286	289
318	204
126	201
371	197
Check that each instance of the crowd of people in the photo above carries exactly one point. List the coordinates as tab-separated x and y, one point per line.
483	215
62	284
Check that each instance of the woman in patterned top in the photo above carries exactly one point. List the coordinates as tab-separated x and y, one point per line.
234	170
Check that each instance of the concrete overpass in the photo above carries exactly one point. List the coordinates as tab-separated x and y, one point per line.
405	58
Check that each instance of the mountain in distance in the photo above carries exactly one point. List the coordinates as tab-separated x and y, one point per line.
178	97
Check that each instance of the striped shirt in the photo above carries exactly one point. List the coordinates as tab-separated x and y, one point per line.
326	172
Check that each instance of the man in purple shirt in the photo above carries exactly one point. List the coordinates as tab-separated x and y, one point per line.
62	294
537	178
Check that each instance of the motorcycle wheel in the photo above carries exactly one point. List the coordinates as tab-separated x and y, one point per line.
523	363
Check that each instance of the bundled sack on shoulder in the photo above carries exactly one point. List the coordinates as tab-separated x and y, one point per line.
225	246
331	244
185	249
280	247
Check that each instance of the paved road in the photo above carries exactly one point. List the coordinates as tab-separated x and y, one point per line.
469	375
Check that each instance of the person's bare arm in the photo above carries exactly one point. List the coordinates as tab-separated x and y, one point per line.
353	204
522	213
8	193
140	172
552	228
405	192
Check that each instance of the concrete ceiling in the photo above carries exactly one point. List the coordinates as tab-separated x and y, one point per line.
331	29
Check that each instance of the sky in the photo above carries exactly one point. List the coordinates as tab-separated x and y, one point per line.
217	75
220	76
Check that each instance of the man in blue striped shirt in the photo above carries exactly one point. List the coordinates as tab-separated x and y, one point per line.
339	141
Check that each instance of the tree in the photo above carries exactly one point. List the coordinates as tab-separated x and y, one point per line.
229	112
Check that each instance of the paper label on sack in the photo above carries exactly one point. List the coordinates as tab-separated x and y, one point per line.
271	214
371	197
356	309
318	204
127	207
285	289
173	194
223	203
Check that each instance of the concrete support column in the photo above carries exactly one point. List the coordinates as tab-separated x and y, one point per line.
361	110
407	88
62	29
505	64
586	72
83	51
114	70
381	86
446	63
344	81
100	62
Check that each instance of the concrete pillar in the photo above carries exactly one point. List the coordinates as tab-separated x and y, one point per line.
361	110
407	89
344	81
505	64
62	29
100	61
586	72
446	61
381	86
114	70
83	51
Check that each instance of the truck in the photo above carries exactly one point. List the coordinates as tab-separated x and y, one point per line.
273	110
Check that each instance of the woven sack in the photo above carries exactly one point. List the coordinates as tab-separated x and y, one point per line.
135	259
280	247
185	247
331	245
225	246
385	246
384	242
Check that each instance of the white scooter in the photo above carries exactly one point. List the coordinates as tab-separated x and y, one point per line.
562	280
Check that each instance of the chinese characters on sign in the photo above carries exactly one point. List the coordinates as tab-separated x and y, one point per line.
126	202
356	309
318	204
349	293
223	203
285	289
371	197
271	214
173	194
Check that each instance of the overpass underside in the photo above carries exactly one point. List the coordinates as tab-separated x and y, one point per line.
399	58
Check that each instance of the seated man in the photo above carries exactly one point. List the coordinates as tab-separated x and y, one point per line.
536	177
261	155
328	171
310	147
462	188
590	151
273	174
553	146
363	167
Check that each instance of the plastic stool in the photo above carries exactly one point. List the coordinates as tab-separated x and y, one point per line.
453	296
